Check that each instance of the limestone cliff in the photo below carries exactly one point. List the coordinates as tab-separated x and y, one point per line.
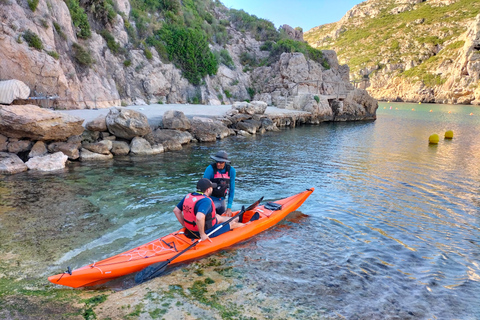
409	50
116	62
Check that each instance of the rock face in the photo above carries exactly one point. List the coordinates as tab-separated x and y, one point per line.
113	79
298	84
402	53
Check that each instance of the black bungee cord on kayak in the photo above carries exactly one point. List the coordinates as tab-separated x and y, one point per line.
69	271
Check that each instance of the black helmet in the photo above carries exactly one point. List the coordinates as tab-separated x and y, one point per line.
220	156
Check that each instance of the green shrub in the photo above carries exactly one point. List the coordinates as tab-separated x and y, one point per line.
455	45
227	94
79	19
33	4
289	45
53	54
127	63
261	29
188	49
247	59
113	45
148	53
81	55
101	10
33	40
223	57
58	28
251	92
316	99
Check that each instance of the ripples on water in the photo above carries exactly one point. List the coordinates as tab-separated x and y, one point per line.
392	230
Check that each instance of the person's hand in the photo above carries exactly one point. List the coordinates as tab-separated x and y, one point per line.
228	212
204	237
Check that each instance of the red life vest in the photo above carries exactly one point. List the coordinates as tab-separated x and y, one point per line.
222	180
190	216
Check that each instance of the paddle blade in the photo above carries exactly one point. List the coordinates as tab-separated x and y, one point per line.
151	271
254	205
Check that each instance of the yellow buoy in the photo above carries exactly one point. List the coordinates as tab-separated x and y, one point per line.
433	139
419	103
471	113
449	134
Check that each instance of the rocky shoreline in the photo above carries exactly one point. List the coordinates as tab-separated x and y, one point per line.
33	138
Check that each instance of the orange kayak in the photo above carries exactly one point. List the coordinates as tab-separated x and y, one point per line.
164	248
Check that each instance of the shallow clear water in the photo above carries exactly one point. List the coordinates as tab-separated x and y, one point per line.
391	231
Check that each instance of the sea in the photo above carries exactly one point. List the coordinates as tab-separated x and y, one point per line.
392	230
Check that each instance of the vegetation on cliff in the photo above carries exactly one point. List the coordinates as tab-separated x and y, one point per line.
183	32
412	40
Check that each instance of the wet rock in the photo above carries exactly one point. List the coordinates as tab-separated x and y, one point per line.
19	146
68	148
208	130
251	126
87	155
10	163
102	147
140	146
3	143
165	135
120	148
49	162
38	149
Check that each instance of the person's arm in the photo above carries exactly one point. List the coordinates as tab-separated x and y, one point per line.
208	173
201	226
203	208
178	212
179	215
231	191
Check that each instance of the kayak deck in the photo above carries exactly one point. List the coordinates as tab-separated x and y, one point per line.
166	247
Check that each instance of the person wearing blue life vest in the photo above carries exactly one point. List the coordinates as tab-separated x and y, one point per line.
223	174
196	212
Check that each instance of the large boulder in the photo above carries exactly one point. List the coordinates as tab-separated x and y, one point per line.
127	123
208	130
49	162
10	163
97	124
175	120
141	147
35	123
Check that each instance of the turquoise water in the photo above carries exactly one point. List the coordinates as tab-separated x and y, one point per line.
392	230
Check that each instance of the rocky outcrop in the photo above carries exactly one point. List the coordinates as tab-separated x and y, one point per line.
36	123
126	132
301	84
426	59
111	79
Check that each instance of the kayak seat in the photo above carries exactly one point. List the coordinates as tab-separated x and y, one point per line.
256	216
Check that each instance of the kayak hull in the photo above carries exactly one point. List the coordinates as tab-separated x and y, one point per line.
166	247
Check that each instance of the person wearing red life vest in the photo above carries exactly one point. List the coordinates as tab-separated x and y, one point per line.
196	212
223	174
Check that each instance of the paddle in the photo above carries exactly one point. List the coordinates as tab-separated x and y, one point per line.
158	268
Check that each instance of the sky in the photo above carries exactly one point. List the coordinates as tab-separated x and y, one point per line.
296	13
